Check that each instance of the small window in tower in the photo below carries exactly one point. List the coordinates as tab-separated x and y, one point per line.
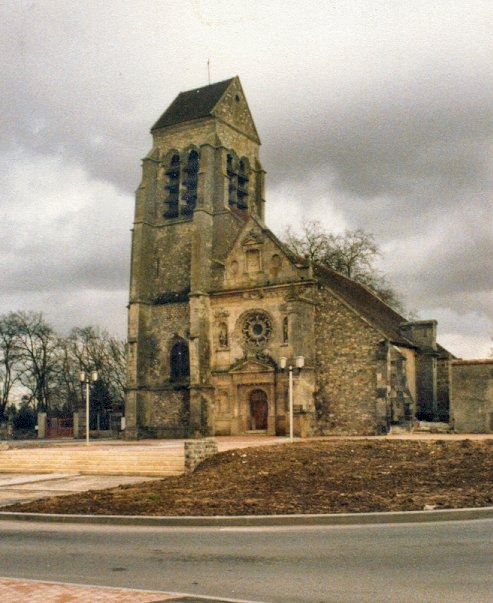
173	187
190	183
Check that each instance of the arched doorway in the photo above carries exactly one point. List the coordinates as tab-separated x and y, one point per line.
258	409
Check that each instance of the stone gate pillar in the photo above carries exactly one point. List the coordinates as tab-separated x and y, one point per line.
41	425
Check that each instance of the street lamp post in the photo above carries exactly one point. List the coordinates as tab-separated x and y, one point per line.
299	363
85	379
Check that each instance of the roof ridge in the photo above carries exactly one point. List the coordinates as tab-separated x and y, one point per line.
193	104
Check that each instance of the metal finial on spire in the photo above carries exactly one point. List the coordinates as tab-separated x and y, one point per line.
209	70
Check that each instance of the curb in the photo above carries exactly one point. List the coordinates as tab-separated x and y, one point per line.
340	519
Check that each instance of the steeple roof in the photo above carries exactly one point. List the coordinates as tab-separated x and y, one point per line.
193	104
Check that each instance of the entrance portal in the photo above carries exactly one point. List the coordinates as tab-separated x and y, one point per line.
258	409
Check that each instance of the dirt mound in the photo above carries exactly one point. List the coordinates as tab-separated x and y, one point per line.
346	476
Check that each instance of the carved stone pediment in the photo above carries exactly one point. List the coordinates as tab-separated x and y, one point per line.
253	237
252	366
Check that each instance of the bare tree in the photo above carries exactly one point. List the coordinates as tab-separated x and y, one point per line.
33	356
353	254
88	349
8	373
117	369
36	356
312	244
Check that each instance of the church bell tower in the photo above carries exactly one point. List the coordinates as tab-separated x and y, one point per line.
201	181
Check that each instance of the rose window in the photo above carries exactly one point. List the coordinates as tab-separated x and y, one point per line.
257	328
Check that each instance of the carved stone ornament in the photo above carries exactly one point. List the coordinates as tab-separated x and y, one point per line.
256	328
253	238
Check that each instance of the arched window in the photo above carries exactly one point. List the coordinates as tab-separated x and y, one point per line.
179	361
275	264
232	178
191	182
237	172
173	187
242	192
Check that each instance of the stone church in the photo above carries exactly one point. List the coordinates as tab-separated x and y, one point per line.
218	306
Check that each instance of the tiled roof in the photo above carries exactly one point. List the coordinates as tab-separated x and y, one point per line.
192	104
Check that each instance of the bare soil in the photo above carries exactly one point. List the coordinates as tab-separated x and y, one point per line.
346	476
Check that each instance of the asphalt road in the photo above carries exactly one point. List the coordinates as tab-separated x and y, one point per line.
404	563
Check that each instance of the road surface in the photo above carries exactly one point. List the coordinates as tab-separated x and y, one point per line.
404	563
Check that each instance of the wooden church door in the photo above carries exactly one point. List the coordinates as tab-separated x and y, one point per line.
258	409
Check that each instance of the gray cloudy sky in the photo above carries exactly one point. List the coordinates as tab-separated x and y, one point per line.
373	113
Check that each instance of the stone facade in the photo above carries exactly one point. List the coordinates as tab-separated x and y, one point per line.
216	301
471	405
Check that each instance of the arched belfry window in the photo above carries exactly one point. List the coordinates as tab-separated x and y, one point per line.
179	361
173	187
191	182
182	175
232	178
242	191
237	173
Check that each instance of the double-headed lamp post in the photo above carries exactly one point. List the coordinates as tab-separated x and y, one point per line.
86	378
299	363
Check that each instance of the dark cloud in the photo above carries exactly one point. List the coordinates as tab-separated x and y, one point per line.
376	115
389	145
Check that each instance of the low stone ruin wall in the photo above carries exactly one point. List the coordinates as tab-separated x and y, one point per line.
197	451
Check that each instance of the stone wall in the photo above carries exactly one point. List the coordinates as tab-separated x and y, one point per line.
443	389
169	322
347	398
171	261
197	451
471	405
164	413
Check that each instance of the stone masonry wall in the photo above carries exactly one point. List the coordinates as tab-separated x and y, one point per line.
471	405
197	451
443	389
166	413
346	347
172	259
168	322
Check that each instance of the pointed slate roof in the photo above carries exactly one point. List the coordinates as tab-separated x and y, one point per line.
193	104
